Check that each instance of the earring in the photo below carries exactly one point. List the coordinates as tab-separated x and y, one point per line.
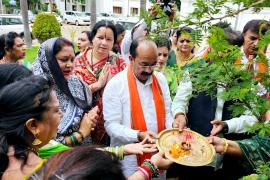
36	142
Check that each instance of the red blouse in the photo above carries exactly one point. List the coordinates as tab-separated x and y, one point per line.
90	72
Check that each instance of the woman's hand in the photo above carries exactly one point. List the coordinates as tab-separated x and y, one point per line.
218	143
103	77
161	161
89	121
139	148
224	146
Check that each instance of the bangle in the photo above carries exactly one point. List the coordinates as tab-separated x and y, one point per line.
225	146
154	169
143	172
74	140
147	170
117	151
79	132
121	153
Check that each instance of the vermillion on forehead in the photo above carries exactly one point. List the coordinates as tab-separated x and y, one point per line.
106	32
66	51
147	52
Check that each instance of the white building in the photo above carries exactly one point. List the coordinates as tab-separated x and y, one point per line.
119	7
128	7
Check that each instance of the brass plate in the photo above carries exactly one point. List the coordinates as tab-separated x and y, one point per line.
201	152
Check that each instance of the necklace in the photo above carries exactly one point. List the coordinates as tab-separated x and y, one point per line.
181	60
92	62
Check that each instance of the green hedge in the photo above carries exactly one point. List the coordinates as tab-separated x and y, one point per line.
46	27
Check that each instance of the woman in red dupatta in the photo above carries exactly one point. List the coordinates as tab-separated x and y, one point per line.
97	66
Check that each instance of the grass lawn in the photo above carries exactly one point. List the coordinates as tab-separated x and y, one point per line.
31	54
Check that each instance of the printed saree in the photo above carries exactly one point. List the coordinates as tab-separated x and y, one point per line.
255	150
89	73
73	114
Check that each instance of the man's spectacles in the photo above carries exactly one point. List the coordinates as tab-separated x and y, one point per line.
148	66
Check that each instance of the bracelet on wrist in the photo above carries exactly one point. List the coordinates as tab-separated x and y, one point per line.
74	140
81	134
225	146
118	151
148	165
144	173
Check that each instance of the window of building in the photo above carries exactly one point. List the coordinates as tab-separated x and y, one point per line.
74	8
117	10
134	11
83	8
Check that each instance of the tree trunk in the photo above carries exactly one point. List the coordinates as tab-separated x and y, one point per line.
24	12
142	6
1	7
93	13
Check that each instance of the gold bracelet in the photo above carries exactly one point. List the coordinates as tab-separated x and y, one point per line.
225	145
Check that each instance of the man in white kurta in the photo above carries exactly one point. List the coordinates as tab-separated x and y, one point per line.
116	101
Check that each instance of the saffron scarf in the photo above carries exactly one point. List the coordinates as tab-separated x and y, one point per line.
137	117
262	68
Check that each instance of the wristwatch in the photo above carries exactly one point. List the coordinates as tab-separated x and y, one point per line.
225	128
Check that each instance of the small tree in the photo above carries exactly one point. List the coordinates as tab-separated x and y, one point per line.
240	86
46	27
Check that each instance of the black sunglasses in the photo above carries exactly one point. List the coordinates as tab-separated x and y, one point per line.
183	40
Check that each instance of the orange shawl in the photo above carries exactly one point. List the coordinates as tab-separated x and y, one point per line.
137	117
262	68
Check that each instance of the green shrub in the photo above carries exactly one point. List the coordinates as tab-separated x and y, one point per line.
46	27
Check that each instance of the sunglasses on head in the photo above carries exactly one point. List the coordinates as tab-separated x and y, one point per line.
184	40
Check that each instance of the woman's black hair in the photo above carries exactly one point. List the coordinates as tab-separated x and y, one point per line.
233	37
88	34
12	72
183	29
7	42
19	102
119	28
162	41
57	73
83	163
103	23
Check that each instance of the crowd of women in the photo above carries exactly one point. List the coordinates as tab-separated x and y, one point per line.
51	115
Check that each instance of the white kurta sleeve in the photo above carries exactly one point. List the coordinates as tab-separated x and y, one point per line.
112	111
239	124
182	97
